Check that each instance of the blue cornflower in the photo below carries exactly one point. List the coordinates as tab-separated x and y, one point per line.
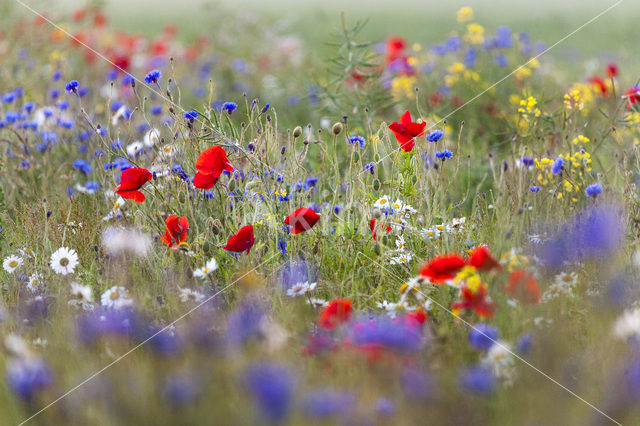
523	345
501	61
470	57
179	391
444	154
534	189
527	161
72	86
282	245
27	376
155	109
83	166
593	190
435	135
11	116
320	404
128	80
115	105
56	76
477	380
55	94
83	91
92	186
356	140
310	182
28	106
272	386
191	115
63	105
557	166
152	77
385	406
337	209
7	98
370	166
483	336
230	106
264	108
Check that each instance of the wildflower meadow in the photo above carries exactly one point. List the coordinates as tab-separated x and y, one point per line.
270	220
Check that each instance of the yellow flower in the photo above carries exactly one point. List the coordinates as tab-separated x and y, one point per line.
465	14
403	87
475	34
523	73
581	139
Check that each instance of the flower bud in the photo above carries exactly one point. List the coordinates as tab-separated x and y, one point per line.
337	128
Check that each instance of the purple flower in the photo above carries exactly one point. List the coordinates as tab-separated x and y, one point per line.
435	135
327	403
477	380
395	334
72	86
483	336
152	77
191	115
557	166
27	376
593	190
272	387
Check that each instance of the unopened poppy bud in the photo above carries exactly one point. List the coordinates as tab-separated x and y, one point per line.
376	185
376	249
337	129
356	157
182	197
215	229
385	240
206	247
232	185
297	132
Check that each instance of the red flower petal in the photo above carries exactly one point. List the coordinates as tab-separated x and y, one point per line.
302	220
204	180
481	259
241	240
213	161
443	268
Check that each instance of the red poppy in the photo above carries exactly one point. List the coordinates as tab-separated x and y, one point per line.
374	231
338	312
395	48
612	70
210	164
131	180
599	84
481	259
177	229
241	240
443	268
406	130
523	286
417	317
633	97
477	301
302	220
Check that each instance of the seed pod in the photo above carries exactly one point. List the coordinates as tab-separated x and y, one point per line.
206	247
297	132
232	185
376	185
182	197
337	128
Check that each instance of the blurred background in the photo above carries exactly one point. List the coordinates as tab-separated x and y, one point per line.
424	20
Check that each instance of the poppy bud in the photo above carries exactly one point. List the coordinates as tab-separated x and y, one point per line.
297	132
376	184
206	246
215	229
414	180
232	185
377	249
356	157
337	129
182	197
376	158
385	240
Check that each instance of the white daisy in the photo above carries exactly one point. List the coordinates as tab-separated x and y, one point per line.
382	203
151	137
301	289
134	148
397	205
402	257
500	361
188	295
202	273
400	243
627	326
81	292
35	279
116	297
122	240
12	263
321	303
64	261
